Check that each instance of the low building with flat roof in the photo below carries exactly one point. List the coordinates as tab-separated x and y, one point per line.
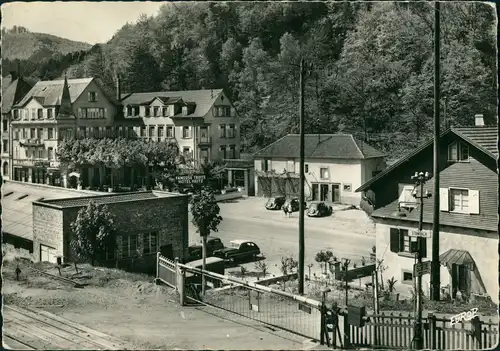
147	222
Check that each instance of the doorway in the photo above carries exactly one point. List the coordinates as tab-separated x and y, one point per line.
315	192
460	279
324	192
167	251
336	193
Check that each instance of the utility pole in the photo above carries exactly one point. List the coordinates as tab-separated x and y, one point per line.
301	181
420	179
435	267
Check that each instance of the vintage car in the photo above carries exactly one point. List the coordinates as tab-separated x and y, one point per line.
319	209
196	251
238	250
294	201
275	203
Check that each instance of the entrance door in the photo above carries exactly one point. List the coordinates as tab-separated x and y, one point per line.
460	279
47	254
167	251
324	192
335	192
315	192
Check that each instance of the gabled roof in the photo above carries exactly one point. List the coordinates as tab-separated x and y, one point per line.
326	146
13	91
480	137
51	91
204	99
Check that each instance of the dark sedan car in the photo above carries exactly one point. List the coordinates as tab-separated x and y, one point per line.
196	251
319	209
275	203
295	204
238	250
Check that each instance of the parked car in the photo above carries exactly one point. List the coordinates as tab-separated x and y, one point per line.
238	250
196	251
275	203
319	209
295	204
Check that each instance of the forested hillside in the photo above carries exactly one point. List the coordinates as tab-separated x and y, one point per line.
372	64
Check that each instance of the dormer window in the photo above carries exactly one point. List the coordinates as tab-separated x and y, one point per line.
165	112
16	114
129	111
147	112
458	152
184	110
156	111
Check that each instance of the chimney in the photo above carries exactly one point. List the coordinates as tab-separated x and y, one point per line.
118	88
13	75
479	120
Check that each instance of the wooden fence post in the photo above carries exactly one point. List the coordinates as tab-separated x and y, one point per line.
157	265
477	331
347	332
432	331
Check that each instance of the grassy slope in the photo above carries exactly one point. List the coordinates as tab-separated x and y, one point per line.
23	45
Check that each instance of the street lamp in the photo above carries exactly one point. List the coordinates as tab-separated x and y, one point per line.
420	178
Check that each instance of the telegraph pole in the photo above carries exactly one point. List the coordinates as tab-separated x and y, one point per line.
435	267
420	179
302	181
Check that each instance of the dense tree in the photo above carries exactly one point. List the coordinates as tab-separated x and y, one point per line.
93	233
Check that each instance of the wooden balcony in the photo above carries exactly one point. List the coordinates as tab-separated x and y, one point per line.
31	142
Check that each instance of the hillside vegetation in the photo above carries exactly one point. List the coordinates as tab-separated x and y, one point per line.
22	44
372	63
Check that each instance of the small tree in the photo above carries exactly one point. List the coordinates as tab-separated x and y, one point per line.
206	218
262	267
93	232
288	265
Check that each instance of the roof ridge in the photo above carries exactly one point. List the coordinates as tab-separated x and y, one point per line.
268	146
357	146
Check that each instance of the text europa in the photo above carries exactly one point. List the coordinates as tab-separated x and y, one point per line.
464	316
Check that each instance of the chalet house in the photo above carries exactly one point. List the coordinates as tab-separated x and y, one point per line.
335	165
468	239
52	111
14	88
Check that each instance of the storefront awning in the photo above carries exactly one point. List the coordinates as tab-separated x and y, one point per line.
460	257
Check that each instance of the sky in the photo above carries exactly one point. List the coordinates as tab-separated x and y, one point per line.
91	22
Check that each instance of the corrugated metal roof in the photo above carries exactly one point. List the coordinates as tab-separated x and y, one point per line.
17	209
51	91
329	146
204	99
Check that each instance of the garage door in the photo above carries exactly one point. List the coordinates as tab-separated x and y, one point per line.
48	254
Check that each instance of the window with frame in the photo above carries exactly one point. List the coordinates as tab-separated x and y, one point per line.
186	151
16	134
129	246
33	113
5	125
231	131
170	132
156	111
5	145
222	128
150	242
25	133
232	151
40	153
16	114
129	111
50	153
95	132
290	165
407	277
400	242
143	131
459	200
32	133
165	111
147	111
458	152
40	133
40	113
160	131
222	152
186	132
109	132
82	132
49	113
323	173
151	131
92	96
50	133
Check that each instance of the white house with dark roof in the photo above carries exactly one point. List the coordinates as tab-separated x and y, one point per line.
335	165
51	111
204	123
468	232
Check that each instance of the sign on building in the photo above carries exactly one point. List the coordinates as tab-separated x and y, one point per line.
419	233
419	269
190	179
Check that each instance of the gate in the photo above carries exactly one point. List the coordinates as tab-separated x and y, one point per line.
166	270
286	311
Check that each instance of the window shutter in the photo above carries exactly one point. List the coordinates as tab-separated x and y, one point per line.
474	201
395	240
423	242
214	111
444	199
89	96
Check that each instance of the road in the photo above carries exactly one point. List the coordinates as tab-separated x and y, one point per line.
278	236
